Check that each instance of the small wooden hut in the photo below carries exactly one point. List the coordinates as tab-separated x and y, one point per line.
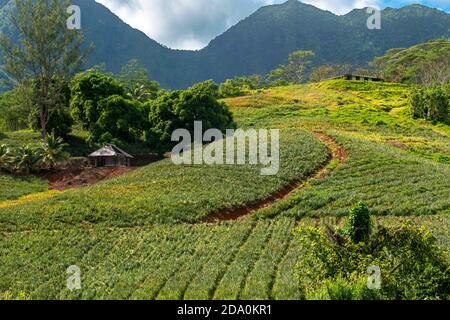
110	156
358	77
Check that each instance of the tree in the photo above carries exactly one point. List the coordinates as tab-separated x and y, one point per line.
5	157
48	52
88	89
51	152
240	85
427	64
60	122
329	71
207	86
121	120
137	83
15	109
432	104
179	109
26	158
435	72
295	70
359	225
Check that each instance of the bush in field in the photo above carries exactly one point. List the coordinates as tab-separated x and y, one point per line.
51	152
238	86
26	158
359	225
179	109
29	157
5	157
334	267
432	104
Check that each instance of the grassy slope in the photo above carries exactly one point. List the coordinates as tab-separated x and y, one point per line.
15	187
167	193
253	258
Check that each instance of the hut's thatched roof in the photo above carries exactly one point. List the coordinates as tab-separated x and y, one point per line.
110	150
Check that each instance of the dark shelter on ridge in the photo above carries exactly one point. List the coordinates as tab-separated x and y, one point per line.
358	77
110	156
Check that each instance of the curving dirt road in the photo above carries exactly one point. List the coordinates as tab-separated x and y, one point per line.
337	154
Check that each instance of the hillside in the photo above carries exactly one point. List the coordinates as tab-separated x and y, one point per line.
258	43
144	236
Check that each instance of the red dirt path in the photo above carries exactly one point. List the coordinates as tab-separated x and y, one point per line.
229	214
72	178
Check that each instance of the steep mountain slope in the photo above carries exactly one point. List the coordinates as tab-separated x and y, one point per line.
116	42
258	43
263	40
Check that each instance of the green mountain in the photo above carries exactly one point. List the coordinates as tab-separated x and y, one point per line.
258	43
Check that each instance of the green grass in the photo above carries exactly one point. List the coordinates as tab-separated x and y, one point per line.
166	193
140	236
19	138
245	259
388	180
12	187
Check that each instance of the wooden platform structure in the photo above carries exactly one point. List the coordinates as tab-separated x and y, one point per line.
110	156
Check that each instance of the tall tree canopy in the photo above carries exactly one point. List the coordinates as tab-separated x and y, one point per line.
427	64
295	70
46	55
88	89
137	82
179	109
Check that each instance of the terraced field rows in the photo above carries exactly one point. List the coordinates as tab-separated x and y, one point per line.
141	236
191	262
390	181
164	193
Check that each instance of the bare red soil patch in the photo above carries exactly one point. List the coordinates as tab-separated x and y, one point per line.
72	178
337	153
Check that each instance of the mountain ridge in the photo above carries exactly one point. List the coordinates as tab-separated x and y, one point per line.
258	43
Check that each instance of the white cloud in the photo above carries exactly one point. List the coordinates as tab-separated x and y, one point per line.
191	24
343	6
183	24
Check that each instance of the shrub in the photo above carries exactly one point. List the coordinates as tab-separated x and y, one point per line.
60	123
432	104
120	119
26	158
51	152
88	89
179	109
359	225
334	267
238	86
5	157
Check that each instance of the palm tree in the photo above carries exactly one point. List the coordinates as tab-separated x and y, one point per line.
5	157
26	158
52	151
4	151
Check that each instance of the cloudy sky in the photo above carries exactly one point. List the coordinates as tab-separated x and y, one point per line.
191	24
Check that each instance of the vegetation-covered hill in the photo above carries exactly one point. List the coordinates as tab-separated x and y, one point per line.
259	43
141	235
